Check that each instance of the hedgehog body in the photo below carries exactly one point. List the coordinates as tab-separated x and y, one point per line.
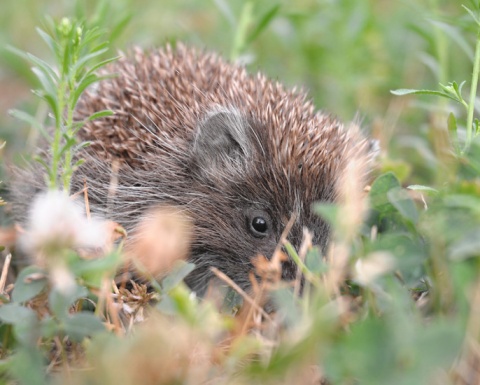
238	153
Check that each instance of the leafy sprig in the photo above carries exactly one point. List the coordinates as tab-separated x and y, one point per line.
76	52
453	91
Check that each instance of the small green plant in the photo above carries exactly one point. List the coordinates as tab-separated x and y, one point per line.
453	91
247	26
76	51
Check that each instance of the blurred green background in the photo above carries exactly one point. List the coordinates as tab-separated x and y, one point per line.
347	53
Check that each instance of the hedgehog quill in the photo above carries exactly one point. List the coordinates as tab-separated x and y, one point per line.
238	154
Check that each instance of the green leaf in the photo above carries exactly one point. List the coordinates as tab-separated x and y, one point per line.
464	201
80	325
52	44
91	35
61	300
119	27
24	321
17	52
49	87
365	353
40	160
29	283
89	80
66	58
4	368
401	169
417	187
458	88
408	251
155	285
263	23
180	271
27	367
14	314
49	327
98	48
403	203
31	120
82	145
97	66
100	114
287	306
182	304
378	192
404	91
466	247
328	211
92	70
167	306
76	126
453	130
94	270
78	163
51	101
301	265
314	261
438	345
69	143
45	68
81	62
472	14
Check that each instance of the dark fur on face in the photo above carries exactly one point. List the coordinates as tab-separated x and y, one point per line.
238	154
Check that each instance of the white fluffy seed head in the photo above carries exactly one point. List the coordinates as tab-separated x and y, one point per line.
369	269
56	222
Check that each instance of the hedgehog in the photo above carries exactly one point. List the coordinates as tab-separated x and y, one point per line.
238	153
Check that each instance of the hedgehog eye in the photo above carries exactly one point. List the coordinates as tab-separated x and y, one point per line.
259	225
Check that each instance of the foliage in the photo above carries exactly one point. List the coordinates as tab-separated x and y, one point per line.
74	48
453	91
393	301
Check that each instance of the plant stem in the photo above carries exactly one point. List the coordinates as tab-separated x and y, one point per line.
57	137
241	31
473	94
441	47
69	133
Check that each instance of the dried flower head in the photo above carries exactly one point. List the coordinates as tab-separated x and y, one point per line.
162	237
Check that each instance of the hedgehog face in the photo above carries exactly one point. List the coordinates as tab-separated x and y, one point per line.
247	198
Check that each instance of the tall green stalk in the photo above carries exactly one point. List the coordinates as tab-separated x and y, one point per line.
473	94
74	47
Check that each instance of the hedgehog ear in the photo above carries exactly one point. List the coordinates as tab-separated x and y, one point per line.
221	141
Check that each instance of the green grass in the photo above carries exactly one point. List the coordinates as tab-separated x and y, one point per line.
396	300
